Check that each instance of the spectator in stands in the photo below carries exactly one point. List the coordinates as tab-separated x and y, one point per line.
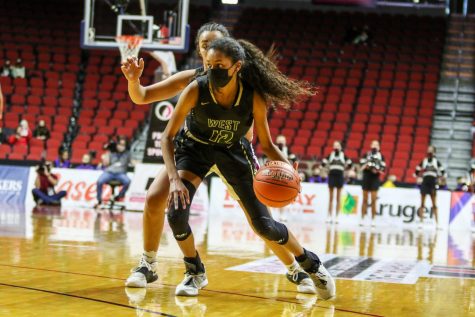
44	193
41	132
1	103
86	162
316	171
22	135
118	161
430	169
63	160
373	165
6	69
281	143
471	177
336	163
463	185
18	70
351	174
363	36
390	182
303	176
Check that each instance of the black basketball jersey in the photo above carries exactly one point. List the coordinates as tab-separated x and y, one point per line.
210	123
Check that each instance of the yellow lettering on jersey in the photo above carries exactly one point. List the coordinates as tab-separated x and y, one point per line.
230	125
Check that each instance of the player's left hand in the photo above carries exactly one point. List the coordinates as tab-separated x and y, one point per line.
132	68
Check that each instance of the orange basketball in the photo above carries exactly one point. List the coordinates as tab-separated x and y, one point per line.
276	184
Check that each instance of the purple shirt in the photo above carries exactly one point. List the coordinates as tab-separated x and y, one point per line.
65	164
85	167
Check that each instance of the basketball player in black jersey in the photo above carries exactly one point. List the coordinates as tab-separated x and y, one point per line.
430	169
216	111
154	211
336	162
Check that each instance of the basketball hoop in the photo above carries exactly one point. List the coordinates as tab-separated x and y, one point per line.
129	45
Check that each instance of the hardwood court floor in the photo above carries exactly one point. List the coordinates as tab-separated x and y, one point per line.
74	262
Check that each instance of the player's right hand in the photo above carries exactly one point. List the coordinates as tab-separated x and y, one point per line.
178	192
132	68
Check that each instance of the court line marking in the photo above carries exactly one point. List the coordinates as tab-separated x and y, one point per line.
204	290
86	298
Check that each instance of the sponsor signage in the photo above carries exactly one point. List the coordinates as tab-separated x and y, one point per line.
395	206
160	113
143	177
13	184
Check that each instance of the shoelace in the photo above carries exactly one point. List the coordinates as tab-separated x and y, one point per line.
190	277
143	263
295	274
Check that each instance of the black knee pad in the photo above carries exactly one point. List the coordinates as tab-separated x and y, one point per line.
271	229
178	218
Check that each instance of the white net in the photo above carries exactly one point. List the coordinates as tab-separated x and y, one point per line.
129	45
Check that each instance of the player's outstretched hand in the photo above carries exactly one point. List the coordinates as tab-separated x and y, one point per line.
132	68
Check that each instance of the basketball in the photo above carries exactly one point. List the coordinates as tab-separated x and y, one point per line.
276	184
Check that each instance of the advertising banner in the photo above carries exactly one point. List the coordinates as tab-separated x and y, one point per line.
143	177
13	184
395	206
80	185
462	211
160	113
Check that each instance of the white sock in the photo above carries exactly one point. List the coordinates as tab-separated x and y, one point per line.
150	256
292	267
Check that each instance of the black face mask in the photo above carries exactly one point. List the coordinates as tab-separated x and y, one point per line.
280	146
430	155
337	151
374	150
219	77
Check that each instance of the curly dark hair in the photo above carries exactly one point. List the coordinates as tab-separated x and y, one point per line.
210	27
262	73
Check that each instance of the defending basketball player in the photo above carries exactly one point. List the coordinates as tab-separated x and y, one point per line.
155	204
216	111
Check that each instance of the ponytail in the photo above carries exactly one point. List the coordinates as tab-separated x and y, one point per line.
264	76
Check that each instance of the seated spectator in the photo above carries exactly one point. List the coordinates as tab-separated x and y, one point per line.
63	160
390	182
86	163
6	69
18	70
41	132
471	177
351	175
443	183
1	103
281	143
44	193
462	185
22	135
118	160
316	171
2	136
303	176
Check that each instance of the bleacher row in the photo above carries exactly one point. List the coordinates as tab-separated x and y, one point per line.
383	90
52	57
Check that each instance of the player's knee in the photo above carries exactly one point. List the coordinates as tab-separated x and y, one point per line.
271	229
178	221
178	218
